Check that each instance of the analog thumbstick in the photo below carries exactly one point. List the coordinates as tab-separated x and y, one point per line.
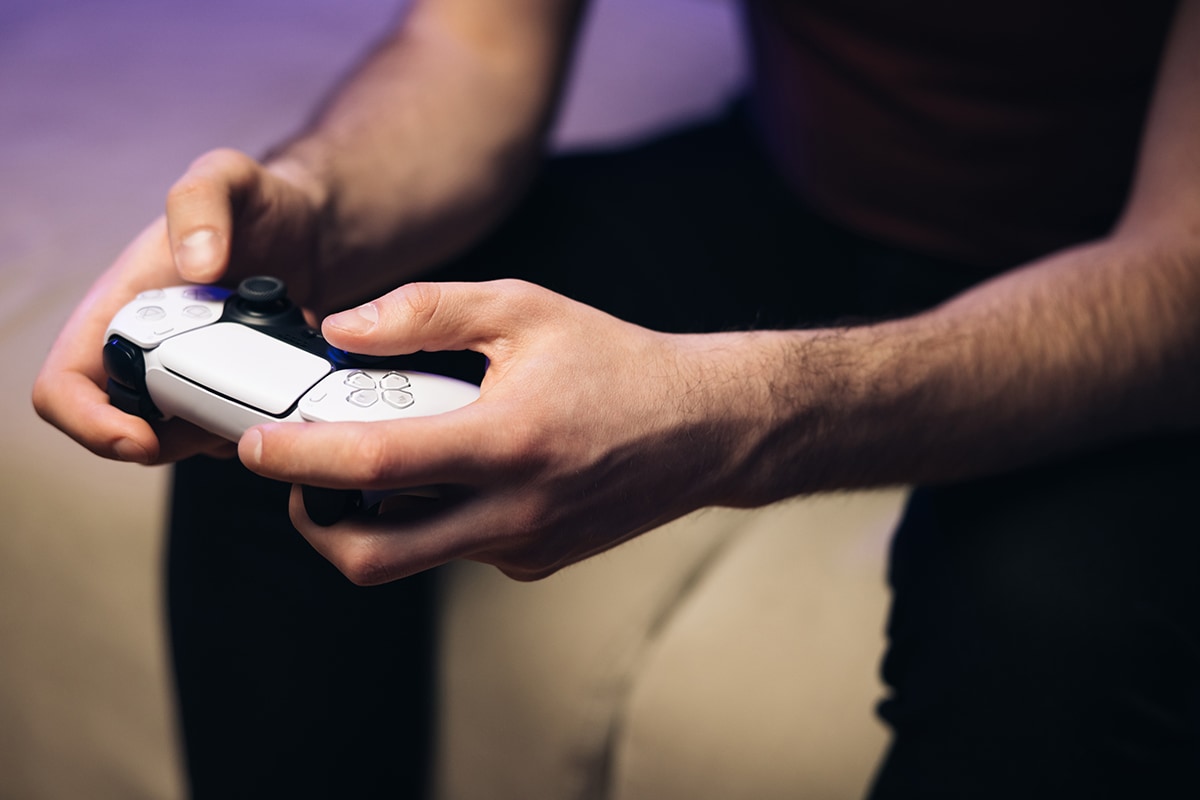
262	292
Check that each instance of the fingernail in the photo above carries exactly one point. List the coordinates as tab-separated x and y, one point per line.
252	445
129	450
196	256
356	320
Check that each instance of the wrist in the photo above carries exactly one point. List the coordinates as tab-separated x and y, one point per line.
304	169
795	412
305	173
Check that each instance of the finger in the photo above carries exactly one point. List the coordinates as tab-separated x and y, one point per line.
399	542
200	212
439	316
68	392
451	448
79	408
179	440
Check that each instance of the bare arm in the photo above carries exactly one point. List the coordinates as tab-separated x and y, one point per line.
415	154
590	431
1089	345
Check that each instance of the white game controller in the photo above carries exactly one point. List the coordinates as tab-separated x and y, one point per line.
227	361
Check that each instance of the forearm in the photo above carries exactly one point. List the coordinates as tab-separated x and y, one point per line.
1089	346
435	134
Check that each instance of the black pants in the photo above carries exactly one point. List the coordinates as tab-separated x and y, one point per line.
1045	635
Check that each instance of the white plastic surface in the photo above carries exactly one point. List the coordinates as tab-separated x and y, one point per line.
376	395
243	364
179	397
160	314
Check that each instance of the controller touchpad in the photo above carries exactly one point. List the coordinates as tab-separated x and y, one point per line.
244	365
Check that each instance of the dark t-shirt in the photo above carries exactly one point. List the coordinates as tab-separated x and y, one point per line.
985	133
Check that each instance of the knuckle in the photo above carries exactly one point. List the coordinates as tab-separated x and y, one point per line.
186	189
421	301
220	159
533	560
523	574
201	174
182	189
523	447
363	565
519	294
374	459
41	397
534	552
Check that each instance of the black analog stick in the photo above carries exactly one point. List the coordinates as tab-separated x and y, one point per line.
262	302
262	292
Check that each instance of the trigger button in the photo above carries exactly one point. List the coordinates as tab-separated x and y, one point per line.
131	402
124	363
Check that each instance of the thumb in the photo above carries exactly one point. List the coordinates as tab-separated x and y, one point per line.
429	316
200	212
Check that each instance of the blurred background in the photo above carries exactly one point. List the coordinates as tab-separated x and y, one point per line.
102	105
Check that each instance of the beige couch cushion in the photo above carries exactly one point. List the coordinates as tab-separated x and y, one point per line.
730	654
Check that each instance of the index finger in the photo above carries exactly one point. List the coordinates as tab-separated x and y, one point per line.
68	390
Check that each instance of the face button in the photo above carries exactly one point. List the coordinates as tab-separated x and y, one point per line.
397	398
150	313
363	398
393	380
197	312
360	380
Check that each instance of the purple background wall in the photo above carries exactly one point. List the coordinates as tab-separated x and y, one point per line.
102	104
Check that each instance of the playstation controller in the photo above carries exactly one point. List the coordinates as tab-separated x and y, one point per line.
228	360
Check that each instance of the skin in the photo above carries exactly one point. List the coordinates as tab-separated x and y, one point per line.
589	430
